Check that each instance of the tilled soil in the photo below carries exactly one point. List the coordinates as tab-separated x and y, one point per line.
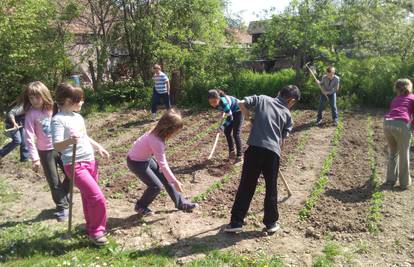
340	212
344	205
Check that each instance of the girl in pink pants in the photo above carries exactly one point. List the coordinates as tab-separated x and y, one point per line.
68	128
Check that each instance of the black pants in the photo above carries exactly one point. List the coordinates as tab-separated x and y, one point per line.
50	160
235	127
257	160
156	99
149	173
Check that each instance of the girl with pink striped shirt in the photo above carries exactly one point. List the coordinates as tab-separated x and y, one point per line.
38	106
156	173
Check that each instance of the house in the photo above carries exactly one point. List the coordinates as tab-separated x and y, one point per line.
262	64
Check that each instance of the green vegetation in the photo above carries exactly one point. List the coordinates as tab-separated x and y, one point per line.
40	245
217	258
374	216
330	251
8	193
320	184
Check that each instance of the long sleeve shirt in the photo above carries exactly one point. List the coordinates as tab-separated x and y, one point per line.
17	113
151	145
38	134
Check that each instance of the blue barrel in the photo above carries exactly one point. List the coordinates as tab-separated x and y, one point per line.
76	80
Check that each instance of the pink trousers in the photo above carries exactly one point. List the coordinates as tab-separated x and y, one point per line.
93	200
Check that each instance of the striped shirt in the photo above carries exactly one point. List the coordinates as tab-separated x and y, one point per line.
229	105
160	81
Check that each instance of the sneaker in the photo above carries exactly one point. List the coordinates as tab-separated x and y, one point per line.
143	212
272	228
233	228
318	122
188	207
99	240
62	215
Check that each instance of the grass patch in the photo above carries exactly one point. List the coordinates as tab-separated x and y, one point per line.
218	258
8	193
319	186
374	216
41	245
330	251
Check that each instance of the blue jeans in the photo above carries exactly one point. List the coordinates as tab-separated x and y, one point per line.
17	137
332	103
156	98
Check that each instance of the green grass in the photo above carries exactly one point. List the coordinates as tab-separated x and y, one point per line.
375	215
8	193
320	184
330	251
218	258
38	244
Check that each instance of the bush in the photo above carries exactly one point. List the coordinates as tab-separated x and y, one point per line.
113	95
239	85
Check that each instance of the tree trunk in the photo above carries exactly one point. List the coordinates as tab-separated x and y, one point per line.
92	71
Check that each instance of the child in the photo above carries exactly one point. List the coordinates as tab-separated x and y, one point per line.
233	122
161	90
397	130
330	85
38	105
156	173
15	121
271	126
68	128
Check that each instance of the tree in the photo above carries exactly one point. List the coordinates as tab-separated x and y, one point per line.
30	46
100	17
305	30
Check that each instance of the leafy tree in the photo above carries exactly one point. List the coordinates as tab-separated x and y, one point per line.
30	46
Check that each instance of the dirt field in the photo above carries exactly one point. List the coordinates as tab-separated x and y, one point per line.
340	214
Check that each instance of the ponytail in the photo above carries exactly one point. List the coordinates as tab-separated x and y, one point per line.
215	93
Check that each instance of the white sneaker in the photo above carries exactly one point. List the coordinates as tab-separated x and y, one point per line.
154	116
272	228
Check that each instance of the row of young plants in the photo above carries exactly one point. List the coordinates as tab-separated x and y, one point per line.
323	179
374	216
227	177
217	184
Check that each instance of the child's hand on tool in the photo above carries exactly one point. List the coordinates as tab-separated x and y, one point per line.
73	139
36	165
220	129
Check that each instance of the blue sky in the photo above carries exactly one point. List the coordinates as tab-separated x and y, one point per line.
250	8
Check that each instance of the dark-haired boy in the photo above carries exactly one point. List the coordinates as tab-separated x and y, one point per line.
271	126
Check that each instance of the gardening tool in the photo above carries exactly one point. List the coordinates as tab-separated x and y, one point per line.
215	144
316	80
285	183
71	183
13	129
